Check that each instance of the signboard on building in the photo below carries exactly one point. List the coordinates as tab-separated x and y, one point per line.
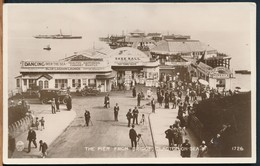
61	63
60	66
127	56
127	61
220	73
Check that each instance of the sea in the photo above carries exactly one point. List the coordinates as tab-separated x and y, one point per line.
30	48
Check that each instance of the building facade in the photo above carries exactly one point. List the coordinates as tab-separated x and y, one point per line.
132	66
74	72
100	68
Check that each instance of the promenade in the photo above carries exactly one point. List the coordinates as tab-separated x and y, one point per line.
160	122
68	137
55	124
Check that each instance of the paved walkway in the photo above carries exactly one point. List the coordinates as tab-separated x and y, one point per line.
106	138
55	124
160	122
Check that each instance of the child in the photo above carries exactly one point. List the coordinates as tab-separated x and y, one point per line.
142	119
43	148
42	123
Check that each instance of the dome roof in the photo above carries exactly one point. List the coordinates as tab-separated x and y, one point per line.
128	51
128	54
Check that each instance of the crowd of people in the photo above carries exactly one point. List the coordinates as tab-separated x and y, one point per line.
185	98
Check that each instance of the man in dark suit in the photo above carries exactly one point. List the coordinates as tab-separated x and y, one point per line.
185	149
57	103
31	138
87	117
107	101
166	99
139	96
169	136
133	136
129	116
53	106
43	148
134	92
135	115
153	105
116	110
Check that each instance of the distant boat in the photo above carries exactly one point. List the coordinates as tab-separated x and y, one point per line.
48	48
243	72
58	36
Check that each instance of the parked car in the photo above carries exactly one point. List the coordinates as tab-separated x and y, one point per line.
89	91
46	95
30	93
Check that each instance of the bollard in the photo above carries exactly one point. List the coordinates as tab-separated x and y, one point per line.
13	127
23	125
26	119
16	125
10	129
20	125
20	122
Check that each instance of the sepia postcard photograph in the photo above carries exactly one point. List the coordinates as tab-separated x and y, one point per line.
103	83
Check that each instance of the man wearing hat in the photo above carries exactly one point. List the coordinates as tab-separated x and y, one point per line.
53	106
133	136
153	105
43	148
135	115
185	149
116	110
169	136
87	117
129	116
31	138
107	101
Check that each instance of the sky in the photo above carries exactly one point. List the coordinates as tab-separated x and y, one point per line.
228	27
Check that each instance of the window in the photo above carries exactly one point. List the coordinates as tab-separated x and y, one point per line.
61	83
92	82
84	81
46	84
41	84
32	83
25	82
18	83
76	82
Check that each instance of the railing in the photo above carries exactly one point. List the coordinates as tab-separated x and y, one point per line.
20	126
